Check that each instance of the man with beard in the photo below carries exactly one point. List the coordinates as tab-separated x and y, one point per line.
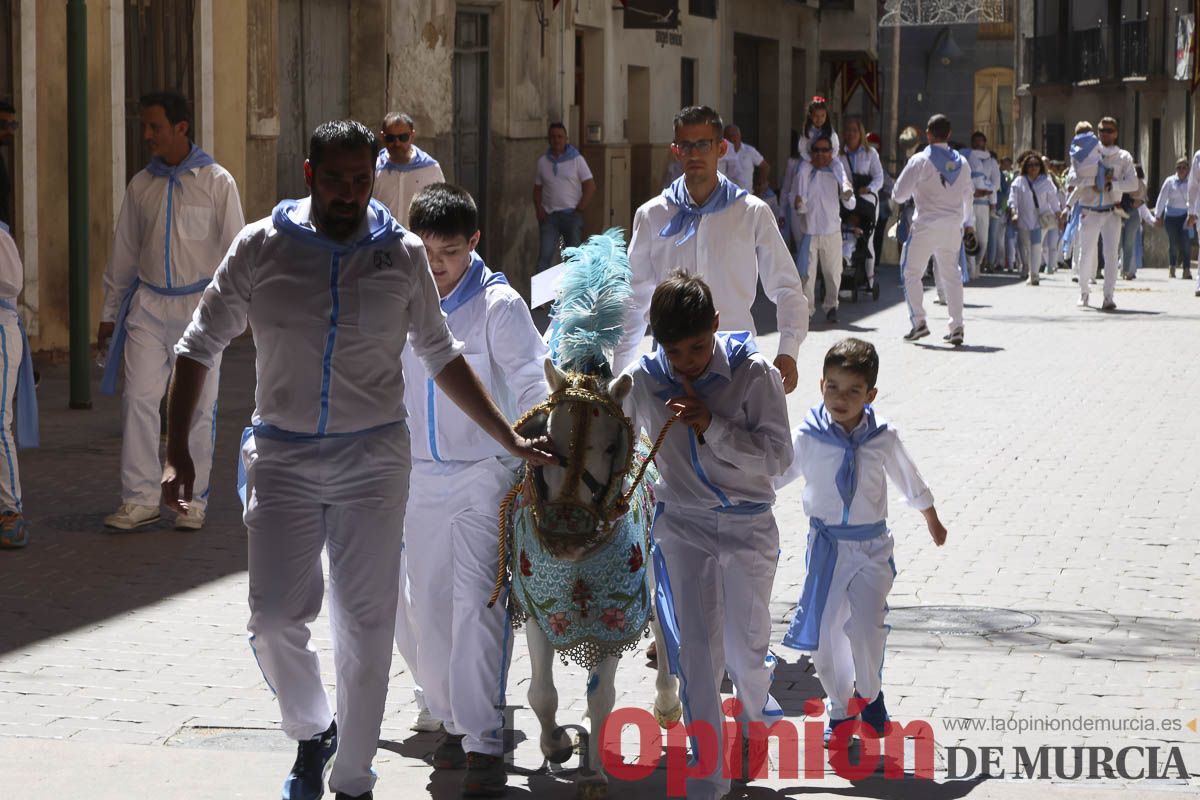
332	287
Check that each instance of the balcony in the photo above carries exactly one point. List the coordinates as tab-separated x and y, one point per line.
1141	54
1128	50
1045	60
1092	57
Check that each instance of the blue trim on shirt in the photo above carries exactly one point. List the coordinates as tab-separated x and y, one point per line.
327	360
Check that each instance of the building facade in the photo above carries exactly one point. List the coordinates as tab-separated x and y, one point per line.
482	79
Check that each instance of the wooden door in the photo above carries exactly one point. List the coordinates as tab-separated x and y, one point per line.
471	106
159	55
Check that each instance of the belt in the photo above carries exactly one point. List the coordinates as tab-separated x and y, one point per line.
108	384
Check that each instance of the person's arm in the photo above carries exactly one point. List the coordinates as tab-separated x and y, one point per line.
761	444
903	473
1160	207
122	265
229	210
220	316
537	203
760	166
968	209
1193	190
906	184
643	280
588	188
461	384
876	171
12	273
518	350
1127	180
781	283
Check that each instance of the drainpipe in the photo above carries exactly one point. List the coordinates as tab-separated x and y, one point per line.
77	203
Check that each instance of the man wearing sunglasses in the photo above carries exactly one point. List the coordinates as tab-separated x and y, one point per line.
8	132
1099	226
402	169
705	224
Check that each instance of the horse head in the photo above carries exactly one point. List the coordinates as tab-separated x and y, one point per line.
577	499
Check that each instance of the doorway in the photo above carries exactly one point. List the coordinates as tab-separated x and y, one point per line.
993	108
471	31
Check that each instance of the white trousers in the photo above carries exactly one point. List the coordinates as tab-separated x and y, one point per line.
853	631
825	254
11	351
153	327
721	568
346	495
983	224
1098	227
460	646
942	243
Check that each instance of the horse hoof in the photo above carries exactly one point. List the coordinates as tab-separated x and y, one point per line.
594	787
667	719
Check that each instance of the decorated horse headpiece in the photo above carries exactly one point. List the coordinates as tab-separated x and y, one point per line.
575	503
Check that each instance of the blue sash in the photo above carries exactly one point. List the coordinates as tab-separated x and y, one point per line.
568	155
108	384
805	630
803	255
1072	229
687	218
418	160
26	412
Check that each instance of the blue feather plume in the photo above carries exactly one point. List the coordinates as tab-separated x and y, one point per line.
588	316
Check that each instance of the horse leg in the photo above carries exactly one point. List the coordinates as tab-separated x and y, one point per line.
601	694
543	697
667	708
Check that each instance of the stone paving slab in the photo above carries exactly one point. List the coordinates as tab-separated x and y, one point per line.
1056	442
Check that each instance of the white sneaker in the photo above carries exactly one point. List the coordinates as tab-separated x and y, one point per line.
130	516
191	521
426	722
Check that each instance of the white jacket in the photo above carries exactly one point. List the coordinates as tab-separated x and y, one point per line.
330	320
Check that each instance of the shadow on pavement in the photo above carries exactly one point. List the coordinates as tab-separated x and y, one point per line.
75	573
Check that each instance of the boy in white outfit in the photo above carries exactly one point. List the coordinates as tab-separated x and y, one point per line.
820	191
845	455
177	220
332	288
459	477
17	379
716	544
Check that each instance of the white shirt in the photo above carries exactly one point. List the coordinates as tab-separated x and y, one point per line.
1194	185
820	193
396	189
561	192
732	250
937	202
1022	197
741	165
12	274
985	174
805	142
328	358
880	458
864	161
1173	195
206	215
746	445
507	353
1124	179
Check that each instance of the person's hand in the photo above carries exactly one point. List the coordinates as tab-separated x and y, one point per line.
535	451
541	214
1191	220
1158	223
846	195
179	475
787	370
937	531
690	409
799	203
104	333
969	229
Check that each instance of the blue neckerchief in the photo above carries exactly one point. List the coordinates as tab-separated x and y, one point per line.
687	219
966	154
382	228
418	160
196	158
821	426
947	162
569	154
821	559
4	227
26	415
477	278
853	155
1082	146
737	345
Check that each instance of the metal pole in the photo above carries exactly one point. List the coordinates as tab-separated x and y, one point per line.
894	124
77	203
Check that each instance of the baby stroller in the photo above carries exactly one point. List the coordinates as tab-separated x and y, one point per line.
854	269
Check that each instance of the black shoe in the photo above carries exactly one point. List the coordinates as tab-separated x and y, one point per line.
831	315
306	781
919	332
1172	274
485	776
955	337
1187	274
1109	305
449	753
363	796
875	714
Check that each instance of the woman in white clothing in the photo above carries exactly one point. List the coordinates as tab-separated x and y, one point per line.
1035	208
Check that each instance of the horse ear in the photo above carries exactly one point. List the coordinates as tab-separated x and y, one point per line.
555	377
619	387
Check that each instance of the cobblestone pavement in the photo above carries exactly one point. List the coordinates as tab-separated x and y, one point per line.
1057	442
